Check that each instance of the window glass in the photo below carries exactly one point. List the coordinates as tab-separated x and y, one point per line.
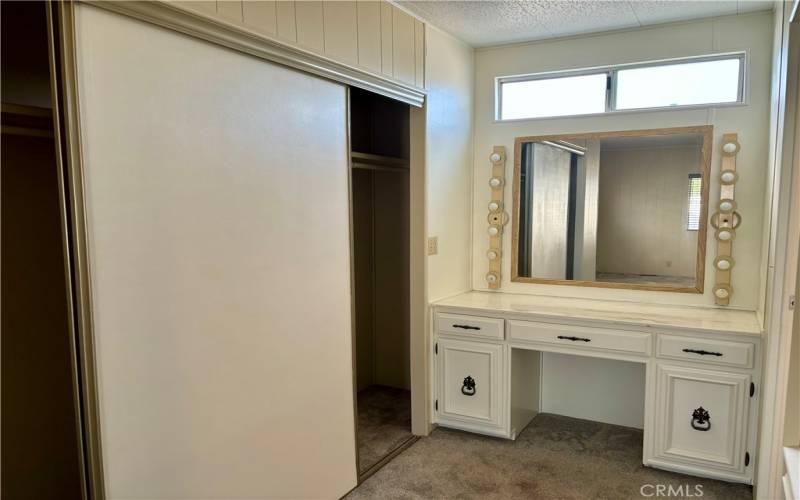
706	82
574	95
693	217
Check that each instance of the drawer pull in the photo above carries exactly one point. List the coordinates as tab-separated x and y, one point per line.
467	327
703	353
701	420
468	388
574	339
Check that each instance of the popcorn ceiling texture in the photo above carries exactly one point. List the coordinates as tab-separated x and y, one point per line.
485	23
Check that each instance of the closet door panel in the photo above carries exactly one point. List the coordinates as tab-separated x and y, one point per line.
216	191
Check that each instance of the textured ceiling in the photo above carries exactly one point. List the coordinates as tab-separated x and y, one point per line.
484	23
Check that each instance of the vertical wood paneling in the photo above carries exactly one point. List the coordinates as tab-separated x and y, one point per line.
403	46
285	20
372	34
261	15
387	62
230	9
419	53
341	30
205	6
369	35
310	25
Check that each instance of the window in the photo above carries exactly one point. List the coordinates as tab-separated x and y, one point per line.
693	209
696	81
572	95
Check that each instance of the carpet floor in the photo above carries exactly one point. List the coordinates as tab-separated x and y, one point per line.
384	423
555	457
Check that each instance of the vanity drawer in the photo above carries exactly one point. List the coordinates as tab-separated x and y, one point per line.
718	352
579	336
472	326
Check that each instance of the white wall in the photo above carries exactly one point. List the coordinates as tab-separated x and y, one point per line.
603	390
752	33
449	81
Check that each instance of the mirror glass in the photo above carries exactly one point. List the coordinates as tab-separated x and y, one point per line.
614	209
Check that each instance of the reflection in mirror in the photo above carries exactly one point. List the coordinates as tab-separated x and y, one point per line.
615	209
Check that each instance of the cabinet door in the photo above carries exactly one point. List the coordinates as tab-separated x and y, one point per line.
701	418
470	375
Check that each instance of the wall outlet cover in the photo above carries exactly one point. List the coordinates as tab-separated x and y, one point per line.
433	245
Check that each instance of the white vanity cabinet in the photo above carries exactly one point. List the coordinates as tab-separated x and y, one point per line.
701	419
471	384
701	367
470	377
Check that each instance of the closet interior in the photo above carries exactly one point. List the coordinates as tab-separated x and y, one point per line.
40	419
379	137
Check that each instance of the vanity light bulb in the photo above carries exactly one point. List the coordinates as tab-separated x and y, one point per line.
725	235
491	254
726	206
491	278
721	293
724	265
495	182
493	231
494	206
494	157
729	147
728	177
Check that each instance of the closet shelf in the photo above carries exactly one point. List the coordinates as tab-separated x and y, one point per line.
366	160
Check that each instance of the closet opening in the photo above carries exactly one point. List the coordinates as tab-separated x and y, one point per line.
42	447
379	149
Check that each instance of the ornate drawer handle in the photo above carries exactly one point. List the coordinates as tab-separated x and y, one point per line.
468	388
467	327
701	420
574	339
703	353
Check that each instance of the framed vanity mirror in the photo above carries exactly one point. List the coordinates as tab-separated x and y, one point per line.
621	209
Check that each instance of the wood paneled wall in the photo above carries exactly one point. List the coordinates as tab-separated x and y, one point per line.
373	35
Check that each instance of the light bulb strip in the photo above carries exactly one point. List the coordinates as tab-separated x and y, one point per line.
726	223
498	218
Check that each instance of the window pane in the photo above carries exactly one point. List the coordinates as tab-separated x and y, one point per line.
695	196
704	82
574	95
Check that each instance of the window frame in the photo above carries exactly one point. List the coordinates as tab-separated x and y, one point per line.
611	85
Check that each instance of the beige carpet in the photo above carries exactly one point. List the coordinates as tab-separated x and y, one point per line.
554	458
384	423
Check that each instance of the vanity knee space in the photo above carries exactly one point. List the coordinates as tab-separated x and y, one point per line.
699	387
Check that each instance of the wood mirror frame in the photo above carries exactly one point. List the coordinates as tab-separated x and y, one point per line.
705	130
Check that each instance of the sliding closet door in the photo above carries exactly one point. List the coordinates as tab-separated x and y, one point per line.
217	212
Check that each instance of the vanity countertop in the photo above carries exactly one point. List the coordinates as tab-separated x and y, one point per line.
614	312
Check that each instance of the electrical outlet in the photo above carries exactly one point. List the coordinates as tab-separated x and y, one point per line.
433	245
